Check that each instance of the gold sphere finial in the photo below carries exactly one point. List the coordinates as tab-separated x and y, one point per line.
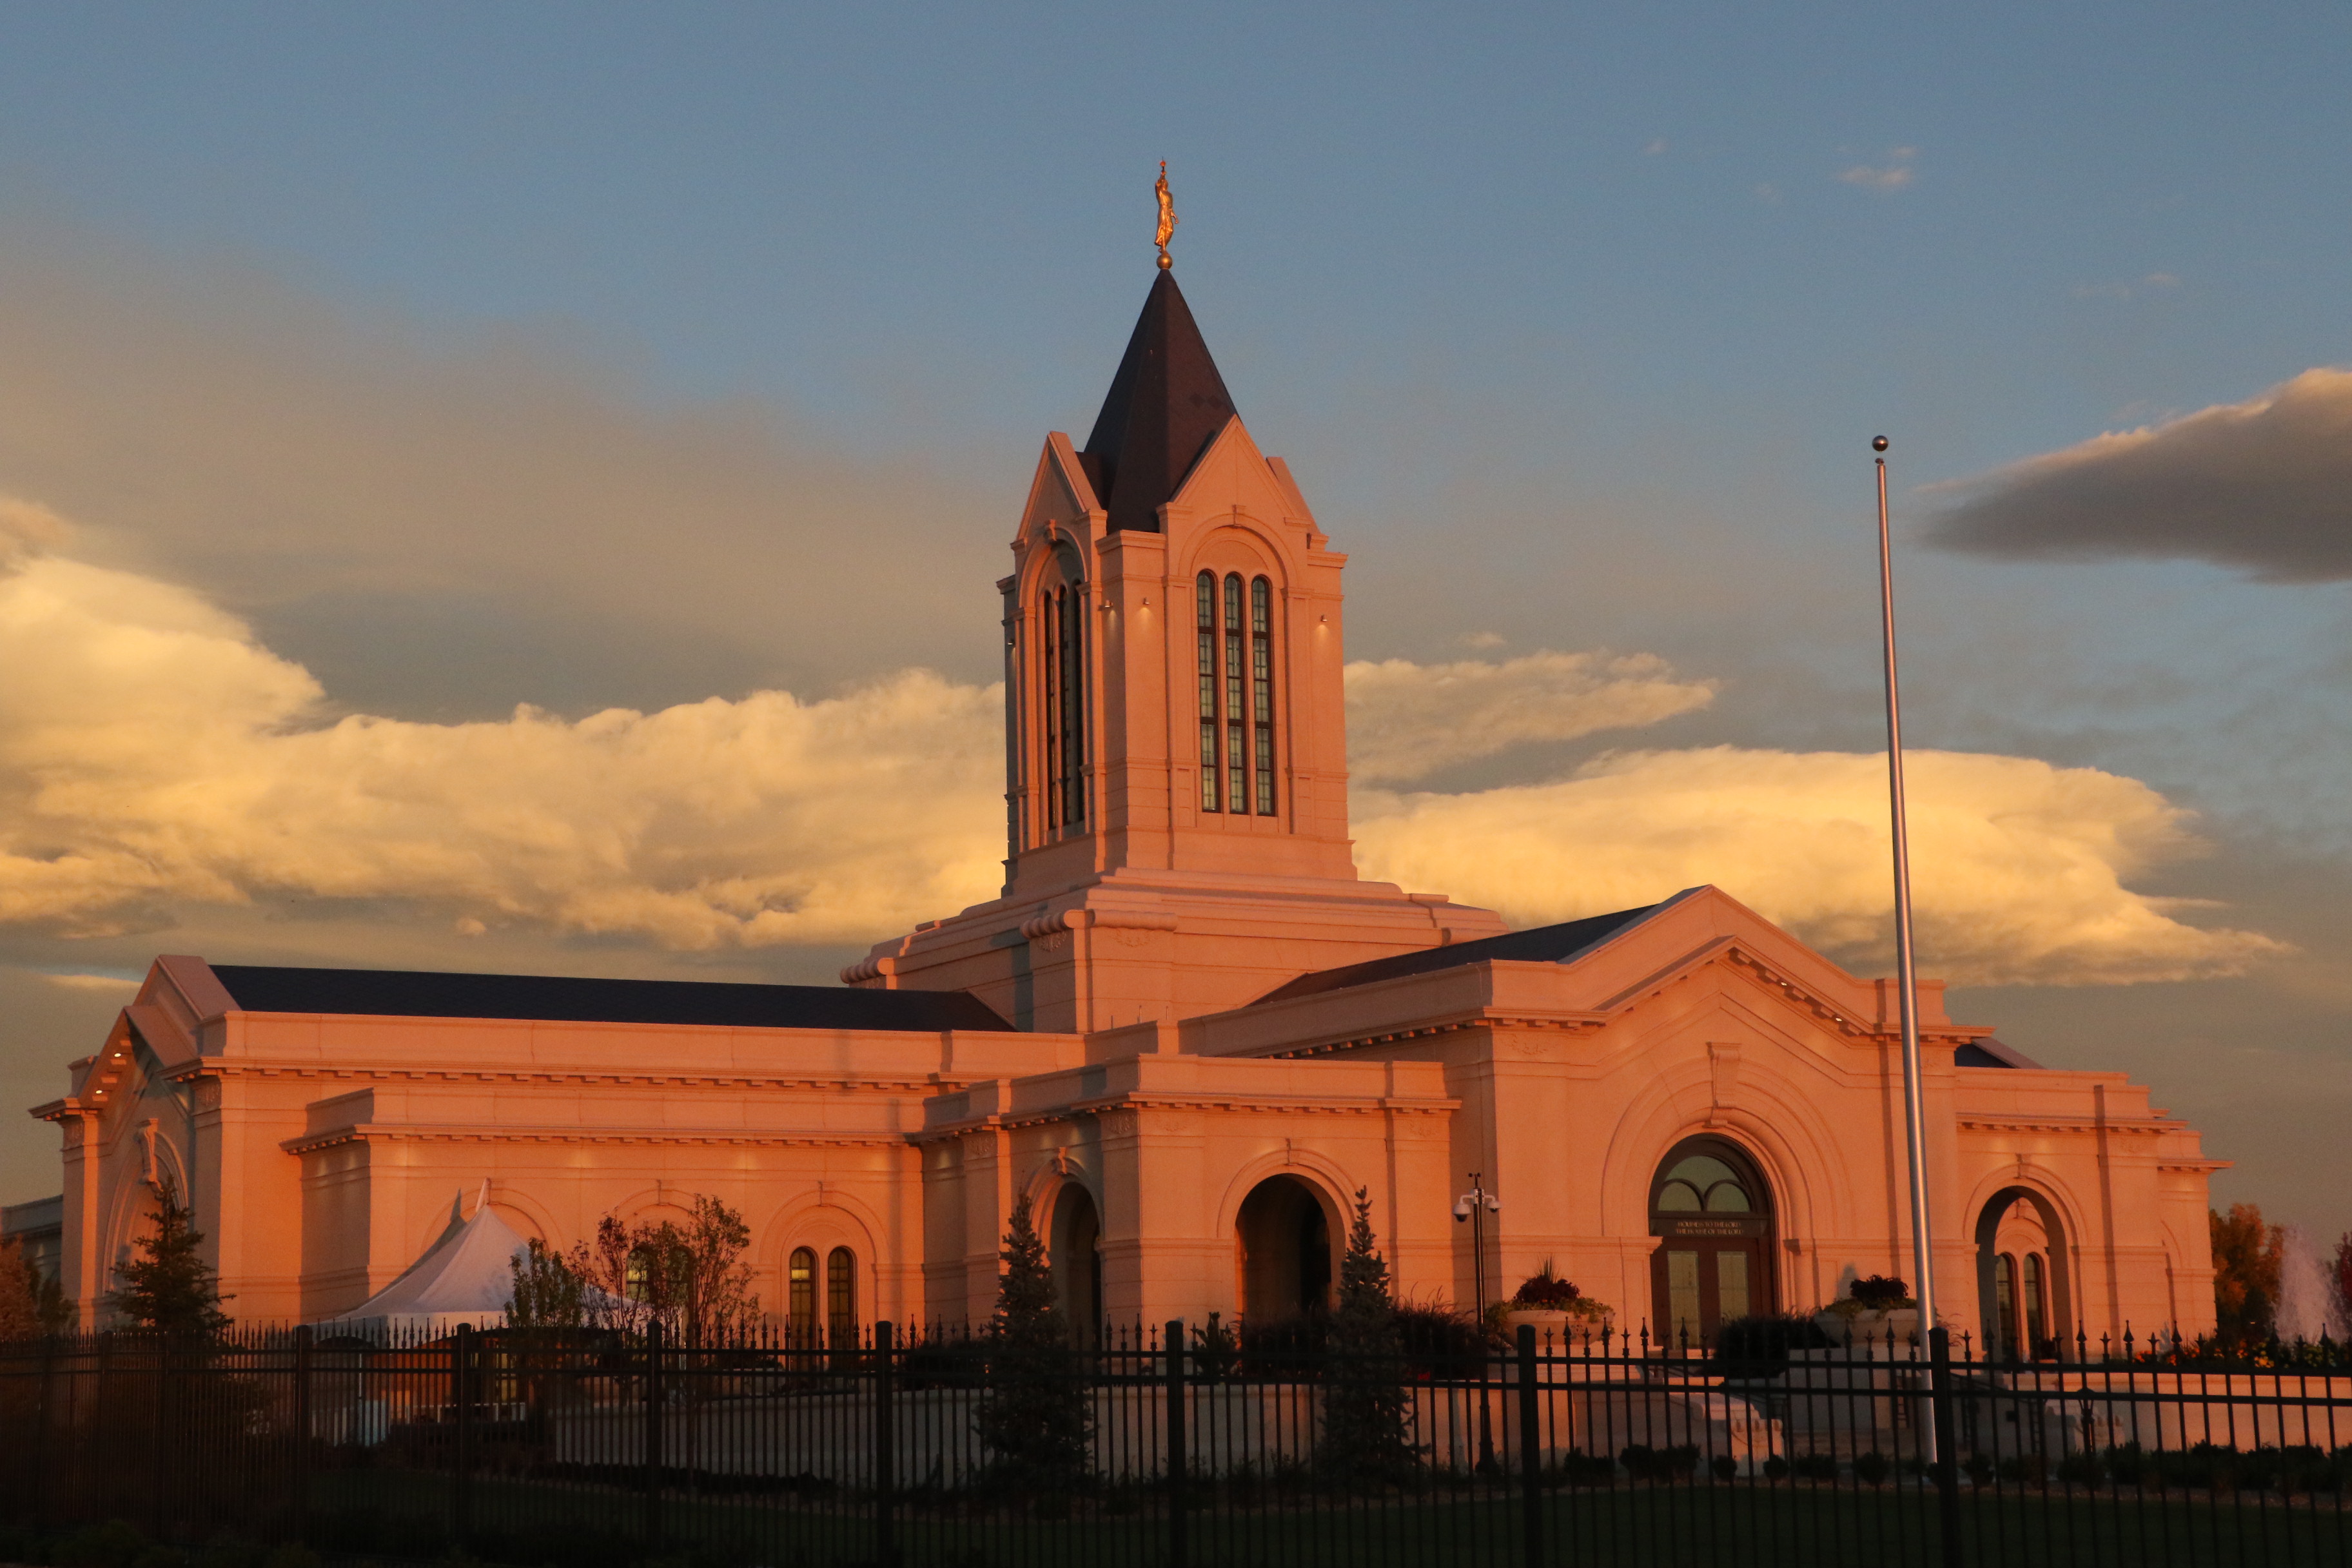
1167	215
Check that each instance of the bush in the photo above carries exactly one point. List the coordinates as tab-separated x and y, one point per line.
1545	1291
1758	1345
1881	1292
1724	1467
1579	1468
2081	1470
1776	1468
1978	1468
1816	1467
1644	1463
1872	1469
2028	1470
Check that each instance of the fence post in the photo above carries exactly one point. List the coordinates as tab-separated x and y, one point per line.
1947	1457
1178	1462
653	1456
302	1432
461	1489
1530	1450
886	1446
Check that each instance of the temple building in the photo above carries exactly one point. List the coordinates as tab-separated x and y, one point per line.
1187	1030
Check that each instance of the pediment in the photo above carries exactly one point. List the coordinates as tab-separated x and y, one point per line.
1233	476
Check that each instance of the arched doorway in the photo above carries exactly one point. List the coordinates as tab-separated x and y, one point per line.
1075	1250
1713	1213
2022	1299
1282	1250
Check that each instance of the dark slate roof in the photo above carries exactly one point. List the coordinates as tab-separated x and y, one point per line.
413	994
1991	1053
1544	944
1165	406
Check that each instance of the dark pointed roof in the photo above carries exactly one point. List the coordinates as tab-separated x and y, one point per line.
409	994
1165	406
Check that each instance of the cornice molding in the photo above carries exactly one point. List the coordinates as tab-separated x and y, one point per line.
1231	1104
934	1084
423	1133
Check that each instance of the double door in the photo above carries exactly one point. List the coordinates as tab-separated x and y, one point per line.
1700	1281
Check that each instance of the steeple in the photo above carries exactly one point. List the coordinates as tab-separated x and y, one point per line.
1165	406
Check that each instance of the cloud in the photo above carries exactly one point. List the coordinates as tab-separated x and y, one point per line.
2019	864
94	982
153	754
1886	178
156	757
1407	721
2264	486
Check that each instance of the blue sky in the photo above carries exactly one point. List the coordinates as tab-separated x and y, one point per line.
1574	323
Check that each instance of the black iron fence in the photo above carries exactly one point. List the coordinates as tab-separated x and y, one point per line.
1171	1445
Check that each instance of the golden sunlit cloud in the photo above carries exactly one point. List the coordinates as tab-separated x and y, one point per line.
154	755
2019	866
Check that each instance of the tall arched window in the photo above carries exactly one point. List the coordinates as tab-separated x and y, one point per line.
1062	693
1711	1207
1204	599
800	1296
1236	753
841	1296
2005	1343
1262	690
2037	1321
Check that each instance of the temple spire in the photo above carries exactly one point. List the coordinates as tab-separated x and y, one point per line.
1165	406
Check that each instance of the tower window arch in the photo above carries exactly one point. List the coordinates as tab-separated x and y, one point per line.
1062	695
1204	599
1262	693
1237	704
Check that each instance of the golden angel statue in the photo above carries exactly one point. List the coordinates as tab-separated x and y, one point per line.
1167	212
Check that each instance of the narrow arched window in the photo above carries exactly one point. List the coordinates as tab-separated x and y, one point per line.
800	1296
1204	597
1236	746
840	1298
1062	698
2004	1305
2030	1288
1262	692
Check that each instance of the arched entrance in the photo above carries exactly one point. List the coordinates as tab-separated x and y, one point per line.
1075	1250
1282	1250
1713	1213
2023	1295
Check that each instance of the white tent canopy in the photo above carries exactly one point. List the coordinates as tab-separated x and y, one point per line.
466	1276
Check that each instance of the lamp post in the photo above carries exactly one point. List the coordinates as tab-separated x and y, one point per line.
1906	982
1472	1207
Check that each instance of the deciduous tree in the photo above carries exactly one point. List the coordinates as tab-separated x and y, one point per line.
2247	1259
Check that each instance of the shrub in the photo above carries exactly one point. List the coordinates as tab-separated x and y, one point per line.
1776	1468
1758	1345
2028	1470
1872	1469
1881	1293
1545	1291
1579	1468
1722	1467
2082	1469
1644	1463
117	1543
1816	1467
1978	1468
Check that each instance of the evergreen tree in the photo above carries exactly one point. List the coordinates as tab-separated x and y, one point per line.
1365	1408
170	1288
1035	1415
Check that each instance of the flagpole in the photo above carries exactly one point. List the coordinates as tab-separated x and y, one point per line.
1906	980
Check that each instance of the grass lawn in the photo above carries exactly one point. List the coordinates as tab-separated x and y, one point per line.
530	1523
